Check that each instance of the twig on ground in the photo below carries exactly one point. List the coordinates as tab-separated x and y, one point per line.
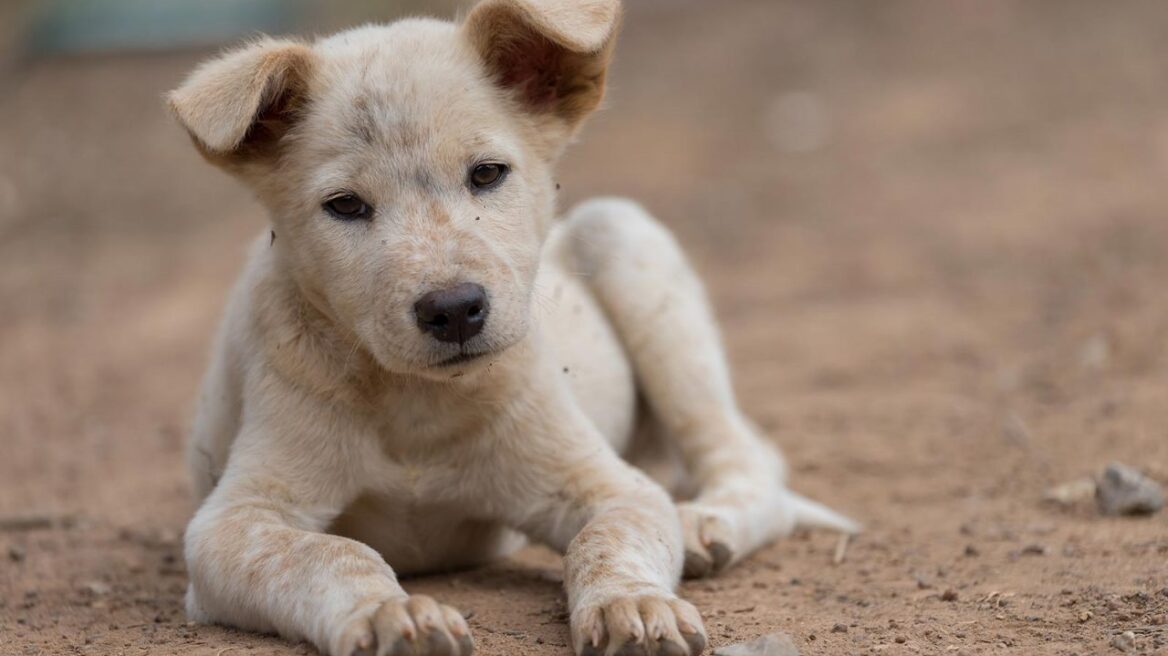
841	548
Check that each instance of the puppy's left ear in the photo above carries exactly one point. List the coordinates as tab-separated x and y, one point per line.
551	55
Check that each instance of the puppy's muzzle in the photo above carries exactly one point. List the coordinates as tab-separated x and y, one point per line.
453	315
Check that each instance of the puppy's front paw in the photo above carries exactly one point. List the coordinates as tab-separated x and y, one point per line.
638	625
413	626
709	540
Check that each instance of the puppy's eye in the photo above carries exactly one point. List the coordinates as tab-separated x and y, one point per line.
348	207
487	175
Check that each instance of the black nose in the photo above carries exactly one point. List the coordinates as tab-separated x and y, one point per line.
455	314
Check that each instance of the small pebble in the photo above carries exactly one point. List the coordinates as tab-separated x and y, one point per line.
16	553
1068	494
1122	490
949	595
1125	641
96	588
839	628
1139	597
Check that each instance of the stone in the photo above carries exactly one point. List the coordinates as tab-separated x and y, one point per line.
1125	641
1122	490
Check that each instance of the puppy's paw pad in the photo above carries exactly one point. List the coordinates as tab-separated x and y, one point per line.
640	625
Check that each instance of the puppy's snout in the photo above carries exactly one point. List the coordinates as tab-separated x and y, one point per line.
455	314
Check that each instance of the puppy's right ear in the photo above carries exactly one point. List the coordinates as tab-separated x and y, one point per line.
246	99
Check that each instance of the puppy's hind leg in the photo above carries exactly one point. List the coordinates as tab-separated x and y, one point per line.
659	307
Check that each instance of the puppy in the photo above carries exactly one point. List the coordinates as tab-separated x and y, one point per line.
421	366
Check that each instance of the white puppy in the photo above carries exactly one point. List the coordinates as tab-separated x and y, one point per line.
421	364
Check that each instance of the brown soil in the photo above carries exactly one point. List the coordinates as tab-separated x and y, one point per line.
946	298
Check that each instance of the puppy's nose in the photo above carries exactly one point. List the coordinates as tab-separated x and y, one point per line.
455	314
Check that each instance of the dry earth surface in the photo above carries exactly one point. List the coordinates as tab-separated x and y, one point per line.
935	233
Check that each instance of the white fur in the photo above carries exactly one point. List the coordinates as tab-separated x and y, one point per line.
329	451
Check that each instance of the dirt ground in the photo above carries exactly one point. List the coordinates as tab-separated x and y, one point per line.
936	236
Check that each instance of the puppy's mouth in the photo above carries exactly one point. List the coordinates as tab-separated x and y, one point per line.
461	358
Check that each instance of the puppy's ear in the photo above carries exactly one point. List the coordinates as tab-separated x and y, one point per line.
551	54
244	100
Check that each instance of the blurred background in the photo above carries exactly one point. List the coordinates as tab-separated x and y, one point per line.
936	234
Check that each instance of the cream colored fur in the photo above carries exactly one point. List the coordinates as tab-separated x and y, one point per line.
332	451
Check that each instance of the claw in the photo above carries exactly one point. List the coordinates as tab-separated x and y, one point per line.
696	565
721	555
670	648
692	637
401	647
439	644
631	648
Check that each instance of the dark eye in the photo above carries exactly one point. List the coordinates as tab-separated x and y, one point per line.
348	207
487	175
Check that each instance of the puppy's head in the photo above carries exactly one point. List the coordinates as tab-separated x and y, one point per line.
407	167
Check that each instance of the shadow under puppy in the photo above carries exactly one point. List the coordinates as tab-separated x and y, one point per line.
421	366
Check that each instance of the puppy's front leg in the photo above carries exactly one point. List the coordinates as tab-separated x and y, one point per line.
621	570
559	481
258	558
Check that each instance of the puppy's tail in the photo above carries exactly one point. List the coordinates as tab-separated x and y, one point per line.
812	514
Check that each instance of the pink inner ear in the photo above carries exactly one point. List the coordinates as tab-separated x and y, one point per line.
532	65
